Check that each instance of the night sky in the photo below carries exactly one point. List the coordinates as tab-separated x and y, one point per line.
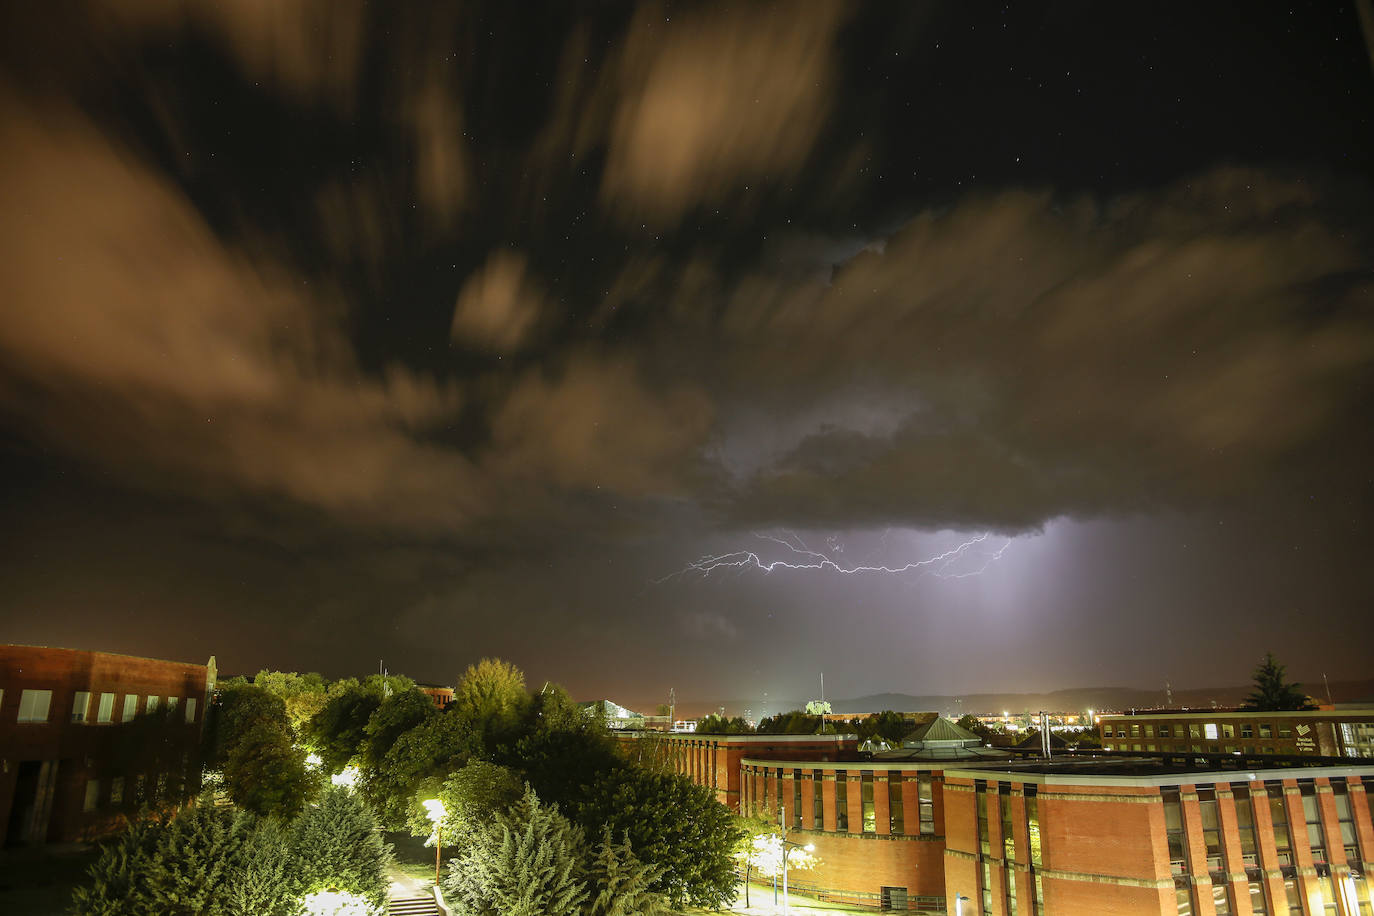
1040	337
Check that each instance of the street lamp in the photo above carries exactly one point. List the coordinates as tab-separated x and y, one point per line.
435	809
787	847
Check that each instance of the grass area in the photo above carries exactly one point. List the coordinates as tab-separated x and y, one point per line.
38	881
413	858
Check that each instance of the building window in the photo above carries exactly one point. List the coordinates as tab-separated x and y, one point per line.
1247	730
1345	821
190	710
866	788
796	800
896	822
981	791
1278	815
841	802
1254	880
1149	731
105	713
150	706
117	790
817	801
1178	849
130	707
1008	837
1228	730
1266	730
1245	824
1311	813
1209	731
33	705
1285	731
81	705
925	796
172	704
1135	731
1194	731
1033	850
1164	731
92	796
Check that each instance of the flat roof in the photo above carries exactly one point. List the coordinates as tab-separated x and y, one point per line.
1156	771
1239	714
749	739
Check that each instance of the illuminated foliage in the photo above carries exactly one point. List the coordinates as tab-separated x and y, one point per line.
338	847
525	863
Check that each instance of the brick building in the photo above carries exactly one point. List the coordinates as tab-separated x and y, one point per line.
1342	732
86	737
1181	833
1122	836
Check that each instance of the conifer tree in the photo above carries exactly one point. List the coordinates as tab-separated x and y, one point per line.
526	863
619	884
266	878
193	863
1271	691
338	847
117	881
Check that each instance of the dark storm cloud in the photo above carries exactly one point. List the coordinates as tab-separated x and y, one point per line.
429	321
1073	357
134	338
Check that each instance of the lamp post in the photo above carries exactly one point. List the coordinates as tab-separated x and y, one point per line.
435	809
786	848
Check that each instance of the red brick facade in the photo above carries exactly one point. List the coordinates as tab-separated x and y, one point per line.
87	736
1163	844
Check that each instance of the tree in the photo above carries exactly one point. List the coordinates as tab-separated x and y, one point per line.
237	710
339	848
265	772
266	881
618	884
716	725
117	881
338	730
492	693
1271	693
398	714
472	797
671	824
527	863
795	722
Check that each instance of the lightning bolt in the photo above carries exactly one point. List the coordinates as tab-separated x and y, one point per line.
939	565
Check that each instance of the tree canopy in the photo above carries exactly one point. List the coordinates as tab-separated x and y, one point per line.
1272	692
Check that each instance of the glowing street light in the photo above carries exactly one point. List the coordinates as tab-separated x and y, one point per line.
787	847
434	808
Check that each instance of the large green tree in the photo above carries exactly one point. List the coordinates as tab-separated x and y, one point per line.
527	862
618	884
338	847
671	824
337	731
1272	692
265	772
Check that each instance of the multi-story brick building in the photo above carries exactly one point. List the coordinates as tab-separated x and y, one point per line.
1123	836
1342	732
1181	834
86	737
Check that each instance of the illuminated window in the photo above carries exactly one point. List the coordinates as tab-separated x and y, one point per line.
1227	731
1311	812
130	707
1135	731
1266	730
1149	731
191	712
172	704
896	820
81	705
1209	731
925	795
33	705
151	705
1194	731
105	713
866	794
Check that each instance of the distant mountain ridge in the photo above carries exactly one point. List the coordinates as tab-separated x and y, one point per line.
1101	699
